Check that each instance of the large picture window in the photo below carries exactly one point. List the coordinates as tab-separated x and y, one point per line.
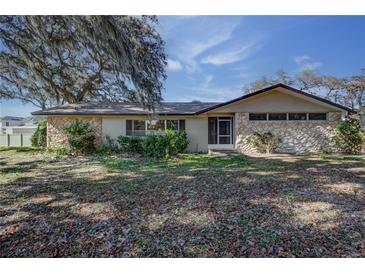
143	127
136	128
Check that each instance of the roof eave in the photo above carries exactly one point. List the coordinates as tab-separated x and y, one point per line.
271	88
40	113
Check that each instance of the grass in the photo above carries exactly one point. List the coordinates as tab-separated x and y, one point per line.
190	206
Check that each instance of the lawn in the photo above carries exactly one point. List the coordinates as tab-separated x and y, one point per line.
193	206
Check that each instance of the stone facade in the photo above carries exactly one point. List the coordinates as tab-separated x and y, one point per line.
56	135
296	136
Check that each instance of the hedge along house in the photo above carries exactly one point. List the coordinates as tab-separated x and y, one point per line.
303	122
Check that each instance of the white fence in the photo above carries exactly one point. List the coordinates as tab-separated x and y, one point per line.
15	140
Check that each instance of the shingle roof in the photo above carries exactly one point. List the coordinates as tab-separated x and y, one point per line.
11	118
164	108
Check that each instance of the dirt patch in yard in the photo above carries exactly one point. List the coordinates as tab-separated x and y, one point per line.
193	206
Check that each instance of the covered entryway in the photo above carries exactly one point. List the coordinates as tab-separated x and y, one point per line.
220	133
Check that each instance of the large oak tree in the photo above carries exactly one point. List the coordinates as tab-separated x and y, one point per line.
51	60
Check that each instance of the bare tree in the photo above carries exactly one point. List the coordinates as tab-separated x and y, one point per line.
48	60
355	91
347	91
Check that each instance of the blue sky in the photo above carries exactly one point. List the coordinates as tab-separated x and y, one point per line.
212	57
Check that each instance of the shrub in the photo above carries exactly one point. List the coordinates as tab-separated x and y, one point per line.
109	147
155	146
130	144
349	136
165	145
62	150
264	142
39	137
80	137
181	141
162	145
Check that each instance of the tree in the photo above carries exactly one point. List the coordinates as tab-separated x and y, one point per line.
355	89
263	82
280	77
51	60
348	91
309	81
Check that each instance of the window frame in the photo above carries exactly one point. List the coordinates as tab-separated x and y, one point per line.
317	113
150	131
296	113
258	113
278	113
288	115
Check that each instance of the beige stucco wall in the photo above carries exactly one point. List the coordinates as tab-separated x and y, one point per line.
277	101
196	129
296	136
113	127
197	132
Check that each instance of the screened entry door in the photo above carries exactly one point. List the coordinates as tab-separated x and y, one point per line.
220	130
224	131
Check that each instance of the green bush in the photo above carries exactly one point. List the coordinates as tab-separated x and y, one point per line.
156	146
349	136
80	137
62	150
130	144
264	142
109	147
165	145
181	141
39	137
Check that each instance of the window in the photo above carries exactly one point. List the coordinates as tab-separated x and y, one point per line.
277	116
141	127
317	116
6	124
136	128
212	130
297	116
172	124
160	125
181	125
258	116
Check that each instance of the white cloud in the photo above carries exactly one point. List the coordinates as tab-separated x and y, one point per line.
208	92
173	65
195	48
230	56
191	37
307	63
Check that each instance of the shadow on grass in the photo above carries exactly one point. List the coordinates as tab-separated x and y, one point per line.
21	167
20	149
192	206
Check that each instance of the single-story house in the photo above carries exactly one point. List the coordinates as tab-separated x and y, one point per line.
303	122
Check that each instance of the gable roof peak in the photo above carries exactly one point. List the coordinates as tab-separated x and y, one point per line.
278	85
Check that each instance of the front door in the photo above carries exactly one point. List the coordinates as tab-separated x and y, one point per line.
220	132
224	131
